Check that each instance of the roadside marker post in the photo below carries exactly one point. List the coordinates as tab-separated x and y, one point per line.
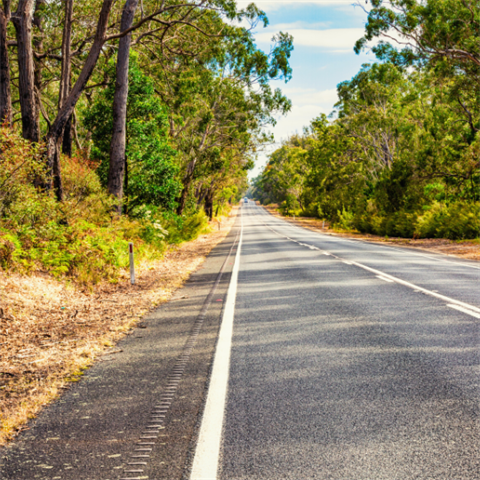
132	263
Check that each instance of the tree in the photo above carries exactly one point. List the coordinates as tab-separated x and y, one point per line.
5	93
429	30
150	166
22	19
66	74
117	148
222	99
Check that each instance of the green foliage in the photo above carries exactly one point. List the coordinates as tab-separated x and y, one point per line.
345	220
199	97
151	166
186	228
457	221
290	205
91	246
398	157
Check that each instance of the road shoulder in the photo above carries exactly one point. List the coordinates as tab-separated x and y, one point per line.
100	424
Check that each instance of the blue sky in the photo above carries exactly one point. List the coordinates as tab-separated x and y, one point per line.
324	35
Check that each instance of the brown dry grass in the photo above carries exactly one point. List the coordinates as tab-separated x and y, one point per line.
50	331
467	249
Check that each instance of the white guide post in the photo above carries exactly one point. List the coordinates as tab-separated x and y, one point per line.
132	263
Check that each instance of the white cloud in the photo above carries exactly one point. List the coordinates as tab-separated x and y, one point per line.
309	96
334	38
269	5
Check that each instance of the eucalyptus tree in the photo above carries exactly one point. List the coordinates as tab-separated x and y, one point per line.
117	147
426	31
221	98
22	19
442	35
5	90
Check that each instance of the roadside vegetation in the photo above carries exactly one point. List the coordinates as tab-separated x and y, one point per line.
400	155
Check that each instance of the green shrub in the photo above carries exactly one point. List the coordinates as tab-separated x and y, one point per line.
400	224
290	205
79	238
456	221
345	220
186	227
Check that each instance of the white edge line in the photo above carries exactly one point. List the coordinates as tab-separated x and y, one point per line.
464	310
205	462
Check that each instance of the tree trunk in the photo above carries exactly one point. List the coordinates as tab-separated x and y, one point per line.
188	178
187	181
66	75
22	19
67	139
116	170
5	93
182	202
37	41
58	126
209	205
202	196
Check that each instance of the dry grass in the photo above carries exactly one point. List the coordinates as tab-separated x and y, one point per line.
50	331
467	249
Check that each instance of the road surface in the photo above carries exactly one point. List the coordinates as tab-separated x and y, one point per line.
313	357
349	360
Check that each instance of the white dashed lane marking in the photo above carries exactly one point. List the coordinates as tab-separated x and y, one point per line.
461	306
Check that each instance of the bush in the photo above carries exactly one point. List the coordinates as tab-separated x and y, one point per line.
186	227
400	224
79	238
290	205
345	220
456	221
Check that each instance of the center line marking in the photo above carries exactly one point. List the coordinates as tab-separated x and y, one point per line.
417	288
205	462
385	279
385	276
464	310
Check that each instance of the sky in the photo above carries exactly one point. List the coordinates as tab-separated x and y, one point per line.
324	33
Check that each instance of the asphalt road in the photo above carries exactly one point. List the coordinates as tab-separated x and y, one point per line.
348	361
338	374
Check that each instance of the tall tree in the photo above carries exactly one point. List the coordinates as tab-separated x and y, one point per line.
66	74
428	30
5	93
117	149
37	45
166	8
23	19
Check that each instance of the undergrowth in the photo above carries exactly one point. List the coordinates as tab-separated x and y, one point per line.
79	238
454	221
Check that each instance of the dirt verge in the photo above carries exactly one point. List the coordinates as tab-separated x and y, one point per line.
467	249
51	330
